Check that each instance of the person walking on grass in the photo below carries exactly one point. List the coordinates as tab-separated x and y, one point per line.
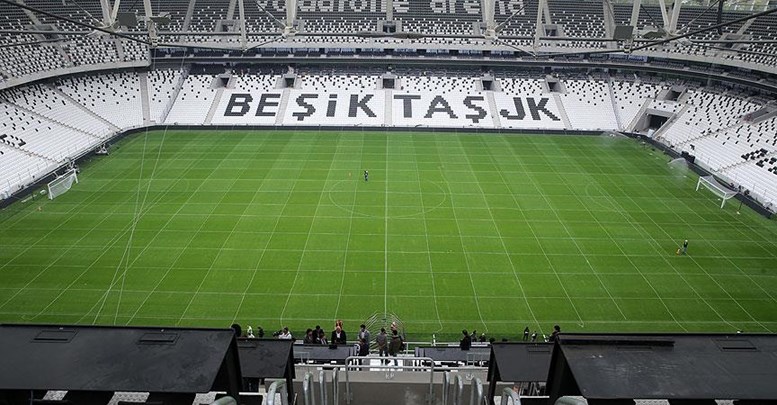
685	247
366	175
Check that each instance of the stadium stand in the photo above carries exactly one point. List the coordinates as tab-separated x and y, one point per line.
19	169
92	107
115	96
42	137
629	97
728	147
706	114
584	96
194	101
161	86
82	110
48	102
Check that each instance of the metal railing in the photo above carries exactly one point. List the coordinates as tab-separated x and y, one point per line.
355	363
446	383
322	394
508	395
477	397
570	401
308	397
227	400
336	386
458	388
274	388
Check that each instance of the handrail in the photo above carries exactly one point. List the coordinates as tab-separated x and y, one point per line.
336	386
446	383
322	387
274	387
509	394
476	398
458	388
569	401
307	392
226	400
350	363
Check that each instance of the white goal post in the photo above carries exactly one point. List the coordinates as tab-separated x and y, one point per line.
718	189
62	184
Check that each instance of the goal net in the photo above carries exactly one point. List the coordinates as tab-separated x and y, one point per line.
723	192
62	184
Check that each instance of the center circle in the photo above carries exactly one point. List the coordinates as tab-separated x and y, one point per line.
363	199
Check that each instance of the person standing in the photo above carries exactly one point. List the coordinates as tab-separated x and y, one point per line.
466	342
395	346
338	336
554	336
364	348
382	341
285	335
526	334
366	175
685	246
364	333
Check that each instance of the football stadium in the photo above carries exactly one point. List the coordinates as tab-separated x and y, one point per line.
388	201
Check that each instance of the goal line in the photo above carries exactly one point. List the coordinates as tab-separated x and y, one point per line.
723	192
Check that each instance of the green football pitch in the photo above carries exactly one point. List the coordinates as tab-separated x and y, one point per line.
452	231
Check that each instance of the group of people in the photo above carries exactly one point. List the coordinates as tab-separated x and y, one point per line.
317	336
533	336
388	344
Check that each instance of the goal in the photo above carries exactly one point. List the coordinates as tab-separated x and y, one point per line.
723	192
62	184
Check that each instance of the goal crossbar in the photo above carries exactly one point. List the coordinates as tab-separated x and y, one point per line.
718	189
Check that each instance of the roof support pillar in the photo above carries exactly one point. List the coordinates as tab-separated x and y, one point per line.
678	4
487	8
540	31
291	15
152	37
108	16
241	8
609	18
664	14
635	13
389	10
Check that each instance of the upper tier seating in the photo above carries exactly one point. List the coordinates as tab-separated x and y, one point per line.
577	21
